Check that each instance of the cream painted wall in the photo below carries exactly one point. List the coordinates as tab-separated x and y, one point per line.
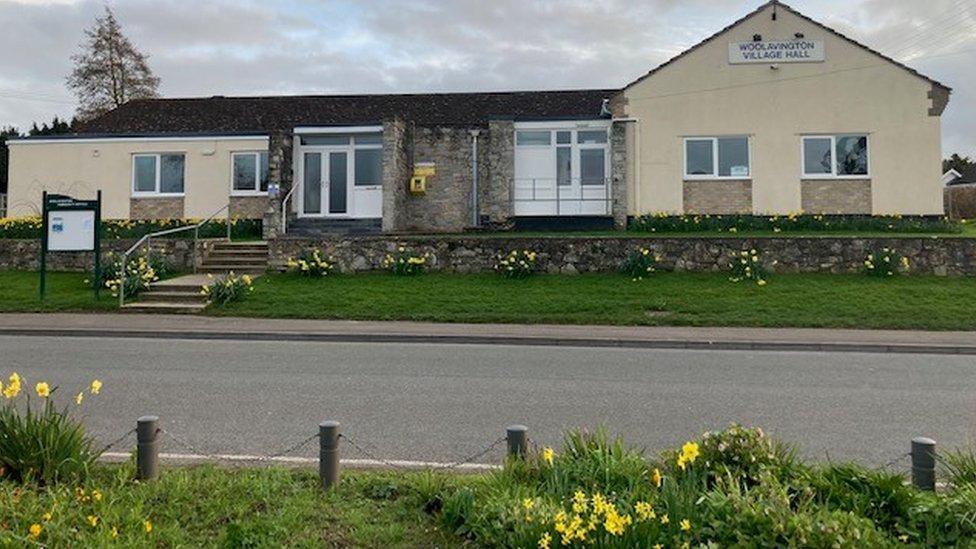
854	91
82	166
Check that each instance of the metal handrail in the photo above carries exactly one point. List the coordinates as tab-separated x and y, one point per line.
148	237
284	206
542	190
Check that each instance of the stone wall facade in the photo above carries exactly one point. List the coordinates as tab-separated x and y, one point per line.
501	172
930	256
248	207
721	197
20	255
446	206
836	196
280	148
618	174
396	174
156	207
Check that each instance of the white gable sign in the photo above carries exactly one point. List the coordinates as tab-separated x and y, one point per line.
779	51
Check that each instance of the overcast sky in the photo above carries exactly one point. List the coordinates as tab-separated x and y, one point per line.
254	47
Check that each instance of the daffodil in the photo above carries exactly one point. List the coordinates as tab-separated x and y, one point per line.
147	526
545	540
547	455
656	478
43	390
92	520
685	525
35	530
96	386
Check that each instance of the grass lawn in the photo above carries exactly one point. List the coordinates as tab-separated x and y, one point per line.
65	292
687	299
207	507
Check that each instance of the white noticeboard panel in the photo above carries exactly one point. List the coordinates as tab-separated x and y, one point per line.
778	51
71	231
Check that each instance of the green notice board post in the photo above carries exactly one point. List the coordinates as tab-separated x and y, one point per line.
71	225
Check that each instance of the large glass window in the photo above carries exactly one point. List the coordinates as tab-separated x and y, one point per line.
593	166
158	173
368	167
564	166
249	173
835	156
529	138
717	157
699	159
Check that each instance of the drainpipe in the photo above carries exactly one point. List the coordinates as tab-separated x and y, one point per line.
475	218
636	160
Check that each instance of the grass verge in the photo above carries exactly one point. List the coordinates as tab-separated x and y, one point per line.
19	293
207	506
682	299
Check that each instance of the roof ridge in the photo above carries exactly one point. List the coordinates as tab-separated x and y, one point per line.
352	95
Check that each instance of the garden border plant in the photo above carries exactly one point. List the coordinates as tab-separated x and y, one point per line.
116	229
517	264
311	263
794	222
402	262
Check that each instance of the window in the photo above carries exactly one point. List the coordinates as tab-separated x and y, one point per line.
717	158
835	156
154	174
591	137
593	166
368	167
249	173
540	138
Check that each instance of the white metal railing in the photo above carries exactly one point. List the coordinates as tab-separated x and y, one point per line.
284	206
147	239
566	197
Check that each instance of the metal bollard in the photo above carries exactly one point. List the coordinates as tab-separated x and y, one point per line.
518	440
923	463
329	453
147	448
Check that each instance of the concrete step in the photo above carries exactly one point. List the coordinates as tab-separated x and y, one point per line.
158	296
256	254
239	246
234	260
165	308
237	269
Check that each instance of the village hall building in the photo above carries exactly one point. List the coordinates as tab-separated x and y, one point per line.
774	114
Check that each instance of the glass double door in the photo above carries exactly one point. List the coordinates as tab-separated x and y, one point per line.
326	184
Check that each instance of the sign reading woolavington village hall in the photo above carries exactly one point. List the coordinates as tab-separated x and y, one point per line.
777	51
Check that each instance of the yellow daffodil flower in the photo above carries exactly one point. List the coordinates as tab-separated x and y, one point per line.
43	390
96	386
685	525
547	455
35	531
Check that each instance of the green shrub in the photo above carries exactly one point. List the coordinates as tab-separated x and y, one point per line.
404	263
880	496
959	466
311	263
795	222
885	263
42	444
140	272
115	229
744	454
747	265
640	263
517	264
228	288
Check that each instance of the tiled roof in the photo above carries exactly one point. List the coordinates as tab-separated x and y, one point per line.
260	114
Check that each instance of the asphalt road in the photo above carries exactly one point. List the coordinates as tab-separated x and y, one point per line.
442	402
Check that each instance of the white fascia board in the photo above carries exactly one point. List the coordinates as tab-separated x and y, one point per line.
160	139
306	130
564	124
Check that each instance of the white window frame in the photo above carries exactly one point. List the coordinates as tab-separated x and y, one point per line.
257	175
573	127
354	146
714	176
159	169
833	156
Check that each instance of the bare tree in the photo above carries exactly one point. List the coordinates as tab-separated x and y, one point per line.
109	70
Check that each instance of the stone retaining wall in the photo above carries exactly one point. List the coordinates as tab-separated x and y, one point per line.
938	256
22	255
